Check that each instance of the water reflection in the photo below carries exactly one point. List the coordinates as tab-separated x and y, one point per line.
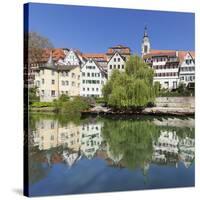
122	144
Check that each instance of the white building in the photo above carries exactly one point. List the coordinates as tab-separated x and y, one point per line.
170	66
93	77
117	61
187	68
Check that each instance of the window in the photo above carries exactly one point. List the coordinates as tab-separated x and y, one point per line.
83	73
110	66
92	89
88	74
83	89
73	83
42	92
52	125
42	81
52	73
52	82
53	93
63	82
122	66
114	59
52	137
97	89
83	81
88	89
118	59
166	84
38	83
145	48
66	82
114	66
73	75
92	74
118	66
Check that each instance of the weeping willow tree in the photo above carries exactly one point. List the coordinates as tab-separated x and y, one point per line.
132	88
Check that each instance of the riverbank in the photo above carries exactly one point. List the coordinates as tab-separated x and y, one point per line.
177	106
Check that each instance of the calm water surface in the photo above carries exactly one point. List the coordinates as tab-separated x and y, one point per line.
102	155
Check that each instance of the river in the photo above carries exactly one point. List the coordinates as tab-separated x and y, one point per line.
96	154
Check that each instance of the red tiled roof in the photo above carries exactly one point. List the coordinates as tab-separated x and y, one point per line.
56	53
160	53
123	49
95	56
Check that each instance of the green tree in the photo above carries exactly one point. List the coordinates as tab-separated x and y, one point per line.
32	95
131	89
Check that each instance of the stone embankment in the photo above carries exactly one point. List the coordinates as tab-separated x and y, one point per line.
182	106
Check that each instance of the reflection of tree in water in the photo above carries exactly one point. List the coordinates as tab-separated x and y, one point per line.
132	139
142	143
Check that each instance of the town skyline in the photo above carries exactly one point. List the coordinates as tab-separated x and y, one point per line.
106	35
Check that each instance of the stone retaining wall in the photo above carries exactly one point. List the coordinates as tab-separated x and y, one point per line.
175	102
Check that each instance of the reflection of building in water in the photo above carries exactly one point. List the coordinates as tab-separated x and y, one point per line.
187	150
166	147
91	138
50	134
46	134
69	136
71	158
169	148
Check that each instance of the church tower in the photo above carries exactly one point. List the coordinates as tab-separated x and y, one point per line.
145	43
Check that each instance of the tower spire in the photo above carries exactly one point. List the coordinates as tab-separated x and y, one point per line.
145	31
146	47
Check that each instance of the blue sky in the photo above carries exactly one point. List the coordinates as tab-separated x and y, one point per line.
93	29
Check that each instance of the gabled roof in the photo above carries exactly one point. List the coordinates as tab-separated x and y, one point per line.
115	54
97	64
182	54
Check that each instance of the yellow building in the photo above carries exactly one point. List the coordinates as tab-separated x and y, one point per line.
53	81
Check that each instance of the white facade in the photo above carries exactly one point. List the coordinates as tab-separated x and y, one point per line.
166	71
187	69
92	79
116	62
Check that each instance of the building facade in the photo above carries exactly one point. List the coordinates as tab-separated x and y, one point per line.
187	68
117	61
93	77
54	80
